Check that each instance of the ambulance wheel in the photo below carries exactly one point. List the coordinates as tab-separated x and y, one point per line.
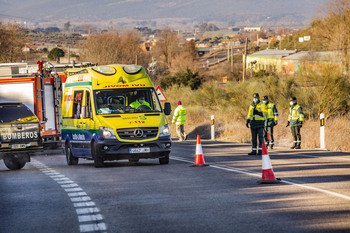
14	163
98	160
165	158
71	160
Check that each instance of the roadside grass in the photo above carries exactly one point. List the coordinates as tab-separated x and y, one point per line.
230	113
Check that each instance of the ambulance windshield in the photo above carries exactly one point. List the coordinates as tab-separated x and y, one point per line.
132	100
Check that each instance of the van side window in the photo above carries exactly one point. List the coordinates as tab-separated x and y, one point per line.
77	102
87	105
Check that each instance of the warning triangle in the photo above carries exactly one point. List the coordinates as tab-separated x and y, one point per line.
160	94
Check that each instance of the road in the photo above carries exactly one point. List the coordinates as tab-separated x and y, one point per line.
49	196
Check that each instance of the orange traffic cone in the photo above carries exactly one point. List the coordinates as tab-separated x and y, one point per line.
268	177
199	160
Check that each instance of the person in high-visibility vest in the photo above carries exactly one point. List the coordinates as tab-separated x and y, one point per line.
295	120
256	117
180	119
270	122
140	101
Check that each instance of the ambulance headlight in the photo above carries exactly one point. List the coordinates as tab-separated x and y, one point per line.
164	131
107	133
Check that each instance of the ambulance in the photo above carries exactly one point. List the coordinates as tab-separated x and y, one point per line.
113	112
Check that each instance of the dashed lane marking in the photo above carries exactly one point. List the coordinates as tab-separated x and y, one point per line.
89	217
259	175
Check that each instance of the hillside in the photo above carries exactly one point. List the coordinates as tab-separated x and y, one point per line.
163	12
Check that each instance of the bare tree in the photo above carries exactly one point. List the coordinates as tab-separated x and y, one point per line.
109	48
332	27
167	47
12	42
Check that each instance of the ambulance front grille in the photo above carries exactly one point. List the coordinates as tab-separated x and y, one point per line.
137	133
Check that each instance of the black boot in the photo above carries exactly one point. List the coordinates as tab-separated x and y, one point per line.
293	147
259	152
271	146
298	147
252	153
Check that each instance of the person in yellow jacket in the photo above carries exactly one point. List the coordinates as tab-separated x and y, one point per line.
256	117
140	101
270	122
295	120
180	119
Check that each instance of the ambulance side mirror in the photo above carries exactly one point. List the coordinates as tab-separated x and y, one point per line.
167	108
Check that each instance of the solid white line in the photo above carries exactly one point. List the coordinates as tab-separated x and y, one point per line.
93	227
90	218
254	174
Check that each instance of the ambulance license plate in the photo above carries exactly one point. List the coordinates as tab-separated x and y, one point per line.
139	150
18	146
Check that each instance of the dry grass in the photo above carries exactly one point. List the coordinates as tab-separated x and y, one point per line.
230	127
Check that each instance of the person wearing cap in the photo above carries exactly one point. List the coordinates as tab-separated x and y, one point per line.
270	122
295	120
180	119
256	117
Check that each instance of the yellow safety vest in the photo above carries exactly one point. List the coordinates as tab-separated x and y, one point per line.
180	115
257	112
272	111
295	114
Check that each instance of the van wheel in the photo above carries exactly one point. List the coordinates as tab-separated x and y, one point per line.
165	158
14	163
71	160
98	160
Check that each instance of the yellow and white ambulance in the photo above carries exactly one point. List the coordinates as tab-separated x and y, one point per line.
113	112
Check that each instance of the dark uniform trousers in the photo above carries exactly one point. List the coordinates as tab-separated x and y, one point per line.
296	135
257	133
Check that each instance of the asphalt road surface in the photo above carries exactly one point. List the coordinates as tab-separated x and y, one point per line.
49	196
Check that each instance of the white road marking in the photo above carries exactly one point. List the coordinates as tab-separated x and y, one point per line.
93	227
259	175
73	189
90	218
86	209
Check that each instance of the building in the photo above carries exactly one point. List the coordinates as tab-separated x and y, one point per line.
269	60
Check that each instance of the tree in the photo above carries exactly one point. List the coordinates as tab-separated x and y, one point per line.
12	42
333	28
168	46
108	48
56	54
67	26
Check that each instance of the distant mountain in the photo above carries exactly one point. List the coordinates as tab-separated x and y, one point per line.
163	12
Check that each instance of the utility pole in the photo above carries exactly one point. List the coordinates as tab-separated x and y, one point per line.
245	58
232	64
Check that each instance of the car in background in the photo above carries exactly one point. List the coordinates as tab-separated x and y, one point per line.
19	134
